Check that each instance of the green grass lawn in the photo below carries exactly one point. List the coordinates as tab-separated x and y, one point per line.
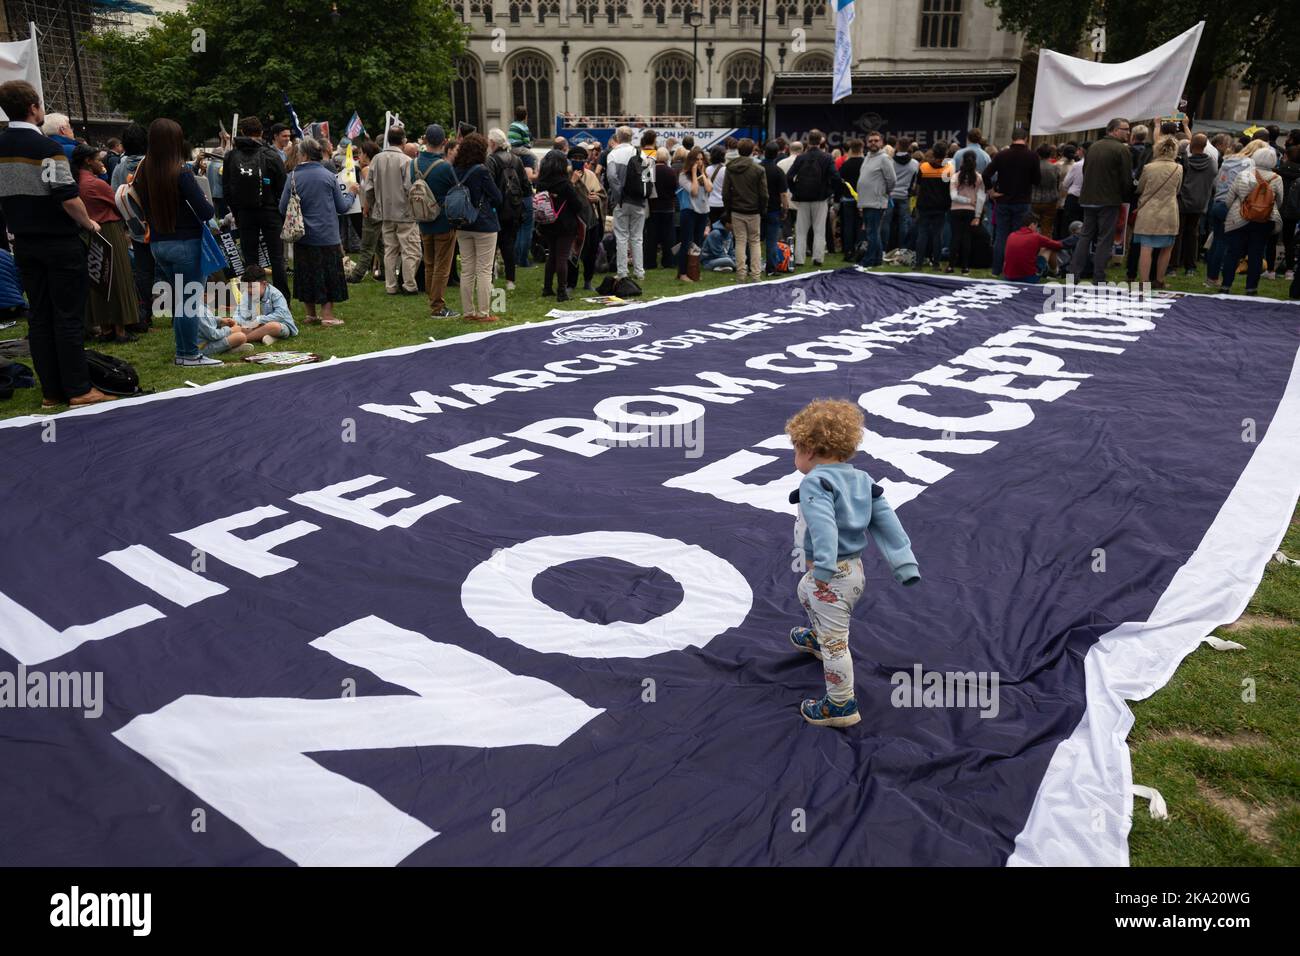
1230	770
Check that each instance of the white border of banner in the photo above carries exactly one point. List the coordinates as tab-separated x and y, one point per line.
1083	810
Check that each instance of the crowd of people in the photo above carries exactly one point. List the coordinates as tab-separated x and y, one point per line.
457	207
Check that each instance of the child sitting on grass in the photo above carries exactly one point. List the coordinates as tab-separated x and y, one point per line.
840	505
263	313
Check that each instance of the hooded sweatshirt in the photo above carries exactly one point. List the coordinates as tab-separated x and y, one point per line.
1232	167
1198	183
254	151
840	506
905	170
744	191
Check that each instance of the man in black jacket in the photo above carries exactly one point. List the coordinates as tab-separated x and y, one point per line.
1010	178
813	180
252	179
43	208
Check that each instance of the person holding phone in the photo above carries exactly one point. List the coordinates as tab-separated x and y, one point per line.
694	187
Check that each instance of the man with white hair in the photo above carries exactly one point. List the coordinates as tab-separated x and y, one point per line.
625	170
390	178
58	127
508	173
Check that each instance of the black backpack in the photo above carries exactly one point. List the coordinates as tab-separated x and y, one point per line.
634	182
111	375
246	178
507	175
809	175
627	288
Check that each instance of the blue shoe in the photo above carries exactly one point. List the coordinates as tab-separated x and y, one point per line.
804	639
827	713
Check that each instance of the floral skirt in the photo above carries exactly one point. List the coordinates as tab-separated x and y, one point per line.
318	274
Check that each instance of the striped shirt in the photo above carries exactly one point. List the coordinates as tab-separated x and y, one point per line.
35	180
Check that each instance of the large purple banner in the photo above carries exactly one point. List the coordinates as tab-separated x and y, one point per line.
523	598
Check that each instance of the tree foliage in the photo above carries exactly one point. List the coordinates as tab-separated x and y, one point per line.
219	57
1254	38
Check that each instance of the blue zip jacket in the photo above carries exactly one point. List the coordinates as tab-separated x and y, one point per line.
840	505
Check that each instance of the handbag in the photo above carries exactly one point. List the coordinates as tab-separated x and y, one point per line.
294	228
212	258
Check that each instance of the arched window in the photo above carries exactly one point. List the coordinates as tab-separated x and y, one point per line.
741	75
748	10
811	9
614	9
464	92
481	8
587	10
548	9
530	87
655	10
786	11
602	85
520	9
940	24
674	92
815	63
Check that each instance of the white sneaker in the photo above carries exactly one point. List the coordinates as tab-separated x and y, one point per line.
510	287
197	361
1270	275
243	349
268	340
1290	275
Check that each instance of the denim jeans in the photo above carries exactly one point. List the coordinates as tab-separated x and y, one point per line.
1010	216
691	233
1218	249
871	220
771	236
524	238
178	261
896	229
1249	240
929	236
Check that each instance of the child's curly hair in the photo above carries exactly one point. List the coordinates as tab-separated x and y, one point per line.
828	427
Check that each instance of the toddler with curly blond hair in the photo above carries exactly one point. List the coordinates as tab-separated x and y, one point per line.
839	505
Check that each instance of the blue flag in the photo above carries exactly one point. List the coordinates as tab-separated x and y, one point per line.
355	127
293	116
843	85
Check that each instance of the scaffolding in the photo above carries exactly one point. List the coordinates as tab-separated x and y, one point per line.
54	42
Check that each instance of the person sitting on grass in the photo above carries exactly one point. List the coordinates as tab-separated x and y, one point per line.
1021	262
718	254
263	312
220	335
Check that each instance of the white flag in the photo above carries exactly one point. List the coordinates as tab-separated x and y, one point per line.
843	50
1073	94
19	61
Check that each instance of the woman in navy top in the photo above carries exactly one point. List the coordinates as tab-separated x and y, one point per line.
478	240
176	211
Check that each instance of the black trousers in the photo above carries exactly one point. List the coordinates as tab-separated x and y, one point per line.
959	221
558	246
590	249
660	237
55	279
142	269
255	225
506	246
1188	244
